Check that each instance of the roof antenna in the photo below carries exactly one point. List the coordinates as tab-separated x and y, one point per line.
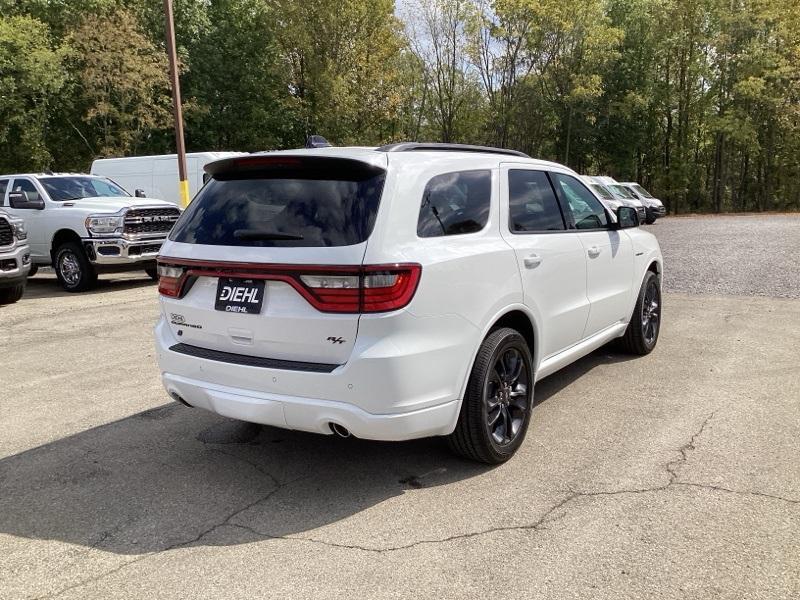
317	141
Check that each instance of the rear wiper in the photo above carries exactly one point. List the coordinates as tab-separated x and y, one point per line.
260	234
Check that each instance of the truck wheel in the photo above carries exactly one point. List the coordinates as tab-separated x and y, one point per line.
74	271
152	273
12	294
497	407
34	270
642	332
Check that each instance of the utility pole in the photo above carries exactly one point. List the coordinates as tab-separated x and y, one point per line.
176	104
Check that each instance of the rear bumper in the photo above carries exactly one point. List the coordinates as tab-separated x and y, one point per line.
307	414
399	383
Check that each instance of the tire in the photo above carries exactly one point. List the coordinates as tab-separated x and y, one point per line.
12	294
152	273
641	336
482	433
34	270
74	271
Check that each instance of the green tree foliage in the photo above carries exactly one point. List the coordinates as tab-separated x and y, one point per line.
699	100
31	75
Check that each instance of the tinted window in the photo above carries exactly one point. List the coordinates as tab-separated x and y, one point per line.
284	208
75	188
532	203
587	212
622	192
25	185
455	203
3	187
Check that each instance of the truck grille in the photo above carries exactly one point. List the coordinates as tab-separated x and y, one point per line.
150	221
6	233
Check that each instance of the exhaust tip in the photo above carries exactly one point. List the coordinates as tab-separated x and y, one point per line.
339	430
175	396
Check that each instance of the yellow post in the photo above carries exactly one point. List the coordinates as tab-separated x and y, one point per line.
184	186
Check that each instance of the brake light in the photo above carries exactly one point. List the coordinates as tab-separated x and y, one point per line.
171	280
328	288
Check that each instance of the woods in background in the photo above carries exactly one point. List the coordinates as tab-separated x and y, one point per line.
699	100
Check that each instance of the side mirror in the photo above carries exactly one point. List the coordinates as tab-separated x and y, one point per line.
627	217
140	194
21	200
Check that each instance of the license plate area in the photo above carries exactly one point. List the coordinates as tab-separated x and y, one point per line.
243	296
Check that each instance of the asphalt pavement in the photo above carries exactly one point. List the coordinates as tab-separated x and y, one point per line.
674	475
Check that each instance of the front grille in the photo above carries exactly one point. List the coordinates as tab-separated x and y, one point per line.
6	233
252	361
149	221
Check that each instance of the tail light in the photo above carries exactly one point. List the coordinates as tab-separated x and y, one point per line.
328	288
171	280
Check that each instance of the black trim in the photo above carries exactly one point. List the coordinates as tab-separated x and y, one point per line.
439	147
252	361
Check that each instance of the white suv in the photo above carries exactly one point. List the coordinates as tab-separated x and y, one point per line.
397	292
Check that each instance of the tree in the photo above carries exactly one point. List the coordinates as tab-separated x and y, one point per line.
31	74
120	84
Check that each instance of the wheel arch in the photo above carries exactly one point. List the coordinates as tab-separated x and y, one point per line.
517	317
62	236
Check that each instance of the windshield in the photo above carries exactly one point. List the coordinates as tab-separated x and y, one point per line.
622	192
641	191
602	191
61	189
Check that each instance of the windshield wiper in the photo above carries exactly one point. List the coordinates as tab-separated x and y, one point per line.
260	234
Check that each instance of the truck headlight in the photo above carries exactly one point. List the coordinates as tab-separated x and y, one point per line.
18	225
104	224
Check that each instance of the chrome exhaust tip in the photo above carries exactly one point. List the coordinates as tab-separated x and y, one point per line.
339	430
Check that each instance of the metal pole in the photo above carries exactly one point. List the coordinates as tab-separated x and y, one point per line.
176	104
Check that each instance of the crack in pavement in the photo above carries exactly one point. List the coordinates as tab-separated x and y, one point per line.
539	524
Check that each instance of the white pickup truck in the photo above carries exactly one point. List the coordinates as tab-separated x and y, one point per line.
83	225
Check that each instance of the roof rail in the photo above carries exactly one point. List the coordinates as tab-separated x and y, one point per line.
435	146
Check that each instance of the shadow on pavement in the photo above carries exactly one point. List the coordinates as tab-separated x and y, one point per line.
164	477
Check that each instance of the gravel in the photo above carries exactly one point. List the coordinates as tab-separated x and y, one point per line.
752	255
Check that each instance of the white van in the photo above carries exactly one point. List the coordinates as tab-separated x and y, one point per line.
157	176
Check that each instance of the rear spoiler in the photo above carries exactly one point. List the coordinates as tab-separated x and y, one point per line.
290	165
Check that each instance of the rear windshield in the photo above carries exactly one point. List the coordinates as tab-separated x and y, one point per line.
308	205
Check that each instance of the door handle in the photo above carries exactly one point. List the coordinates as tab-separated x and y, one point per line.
594	251
532	261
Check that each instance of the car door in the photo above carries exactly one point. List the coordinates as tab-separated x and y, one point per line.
550	257
34	218
609	254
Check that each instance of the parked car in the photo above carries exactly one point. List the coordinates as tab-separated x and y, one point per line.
84	225
622	194
609	200
157	176
397	292
15	257
653	206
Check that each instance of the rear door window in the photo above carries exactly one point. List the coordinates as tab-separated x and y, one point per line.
532	203
311	203
455	203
